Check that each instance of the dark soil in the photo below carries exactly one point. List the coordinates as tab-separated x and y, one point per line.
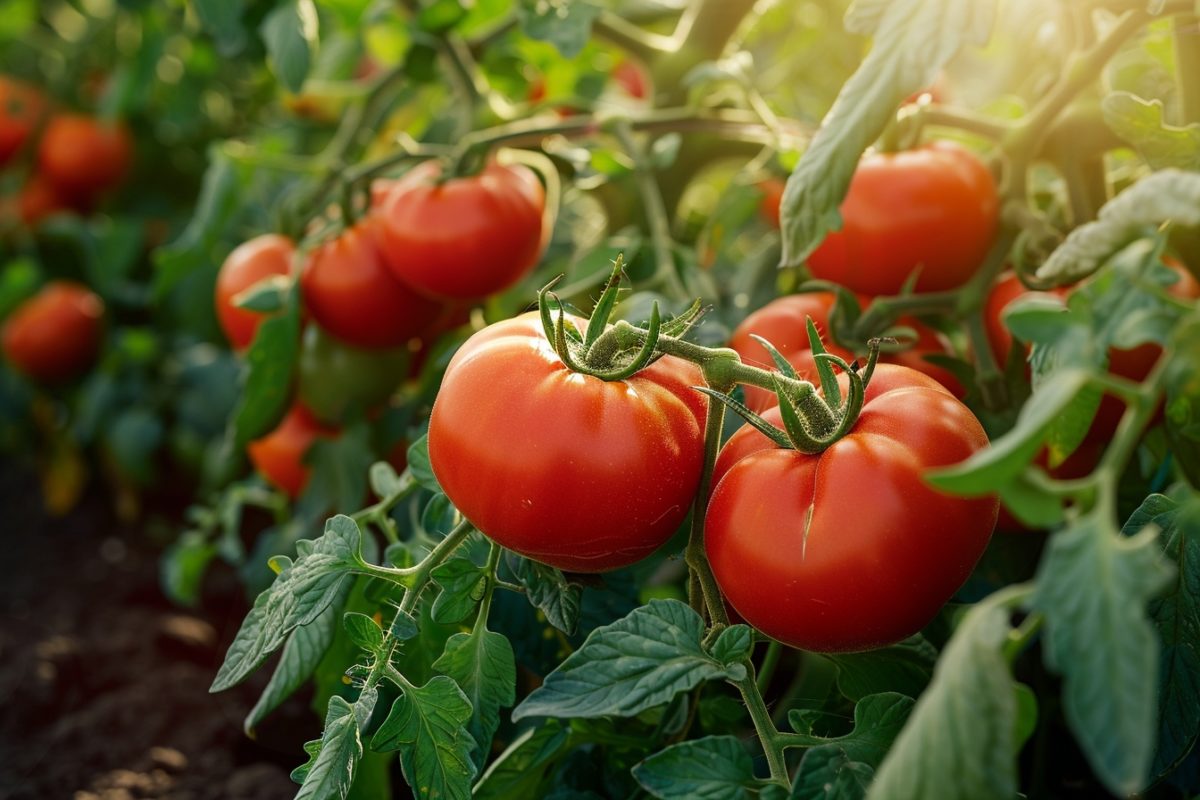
104	683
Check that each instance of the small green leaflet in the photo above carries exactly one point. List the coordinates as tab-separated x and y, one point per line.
548	591
1140	122
334	759
289	32
461	582
271	363
419	467
712	768
520	768
1093	586
959	741
482	663
1168	196
913	39
363	631
300	593
905	667
566	24
734	644
427	725
636	663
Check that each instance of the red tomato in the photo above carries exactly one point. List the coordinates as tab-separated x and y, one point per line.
576	472
850	549
55	334
929	342
84	156
40	199
279	456
466	237
935	207
772	197
351	294
633	78
21	110
249	263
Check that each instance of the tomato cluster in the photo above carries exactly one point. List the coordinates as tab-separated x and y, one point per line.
378	292
75	157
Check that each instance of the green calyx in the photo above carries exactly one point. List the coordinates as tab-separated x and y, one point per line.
610	353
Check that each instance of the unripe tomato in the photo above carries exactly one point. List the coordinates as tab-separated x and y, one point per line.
55	334
336	379
935	207
850	549
279	456
463	238
583	474
250	262
351	294
21	110
82	155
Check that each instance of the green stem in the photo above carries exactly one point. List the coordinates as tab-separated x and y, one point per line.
770	661
768	734
703	592
937	116
1021	637
624	34
1141	407
416	577
489	572
1186	35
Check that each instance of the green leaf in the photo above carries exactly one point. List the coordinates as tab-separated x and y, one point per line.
300	593
183	566
427	725
339	470
290	33
303	651
1005	459
419	467
712	768
520	768
829	774
335	758
841	767
959	740
461	582
483	665
267	296
271	363
913	40
1027	714
1093	587
549	591
904	668
566	24
383	480
636	663
1167	196
1140	122
363	631
223	21
440	16
734	644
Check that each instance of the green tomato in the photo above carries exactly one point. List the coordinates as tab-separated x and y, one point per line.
337	380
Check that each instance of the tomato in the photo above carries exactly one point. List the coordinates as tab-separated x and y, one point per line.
351	294
40	199
465	237
21	110
929	342
583	474
336	379
772	197
84	156
55	334
279	456
633	78
935	207
249	263
850	549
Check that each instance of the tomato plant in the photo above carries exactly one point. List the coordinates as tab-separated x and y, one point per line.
260	258
280	455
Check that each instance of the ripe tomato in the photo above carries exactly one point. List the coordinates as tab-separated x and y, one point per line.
249	263
850	549
21	110
336	379
279	456
55	334
633	78
466	237
84	156
772	197
39	199
579	473
929	342
935	207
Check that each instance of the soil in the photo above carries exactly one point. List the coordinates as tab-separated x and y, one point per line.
104	683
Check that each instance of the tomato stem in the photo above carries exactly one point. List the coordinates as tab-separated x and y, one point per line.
769	736
703	592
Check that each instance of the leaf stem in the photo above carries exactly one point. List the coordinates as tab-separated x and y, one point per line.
703	592
768	735
770	661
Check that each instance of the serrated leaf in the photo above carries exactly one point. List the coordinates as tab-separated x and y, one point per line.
483	665
1170	195
842	767
299	594
913	40
548	590
460	580
636	663
427	724
734	644
289	32
404	626
330	773
958	742
418	465
519	769
1141	123
363	631
712	768
566	24
1093	586
303	651
904	668
271	364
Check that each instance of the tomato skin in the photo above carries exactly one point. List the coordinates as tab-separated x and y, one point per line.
336	379
350	293
84	156
55	335
39	199
248	263
22	108
929	342
935	206
575	472
772	199
279	455
465	238
802	558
